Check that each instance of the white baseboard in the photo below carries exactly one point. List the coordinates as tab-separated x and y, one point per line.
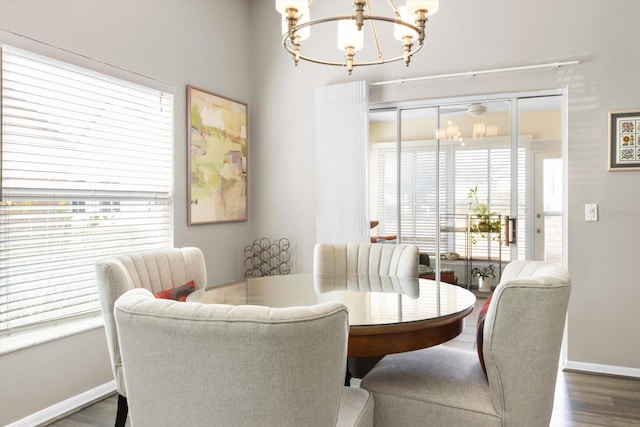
596	368
66	406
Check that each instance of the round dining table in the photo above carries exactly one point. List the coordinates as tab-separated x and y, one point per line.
387	314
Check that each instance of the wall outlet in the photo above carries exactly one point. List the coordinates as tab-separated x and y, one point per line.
591	212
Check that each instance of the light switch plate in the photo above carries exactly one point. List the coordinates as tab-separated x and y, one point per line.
591	212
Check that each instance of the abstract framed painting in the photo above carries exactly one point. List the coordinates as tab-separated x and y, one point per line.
624	140
217	158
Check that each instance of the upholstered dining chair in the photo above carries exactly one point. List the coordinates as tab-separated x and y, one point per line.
192	364
519	344
381	259
166	272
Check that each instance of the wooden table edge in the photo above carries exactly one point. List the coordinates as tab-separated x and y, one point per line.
379	340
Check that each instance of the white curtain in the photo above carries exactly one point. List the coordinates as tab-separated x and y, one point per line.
342	153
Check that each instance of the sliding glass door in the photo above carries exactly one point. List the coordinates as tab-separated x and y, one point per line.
457	180
476	159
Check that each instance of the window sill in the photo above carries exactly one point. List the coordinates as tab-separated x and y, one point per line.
24	339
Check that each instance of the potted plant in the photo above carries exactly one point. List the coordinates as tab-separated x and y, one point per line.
483	274
481	218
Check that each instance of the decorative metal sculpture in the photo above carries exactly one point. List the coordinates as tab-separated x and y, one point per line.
266	258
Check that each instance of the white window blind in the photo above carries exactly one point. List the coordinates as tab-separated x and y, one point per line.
486	165
86	171
417	188
387	188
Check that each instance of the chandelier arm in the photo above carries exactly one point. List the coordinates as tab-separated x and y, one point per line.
352	17
375	33
355	64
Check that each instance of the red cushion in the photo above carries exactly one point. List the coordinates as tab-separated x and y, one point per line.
480	332
178	294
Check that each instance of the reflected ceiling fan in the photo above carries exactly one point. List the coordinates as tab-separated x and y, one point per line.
474	109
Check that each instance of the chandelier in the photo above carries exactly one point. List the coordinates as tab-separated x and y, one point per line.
408	28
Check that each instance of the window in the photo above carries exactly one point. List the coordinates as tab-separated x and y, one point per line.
486	165
87	163
417	192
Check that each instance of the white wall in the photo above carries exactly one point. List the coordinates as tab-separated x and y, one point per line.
179	42
195	42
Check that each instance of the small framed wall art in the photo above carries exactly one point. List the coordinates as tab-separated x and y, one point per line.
624	140
217	158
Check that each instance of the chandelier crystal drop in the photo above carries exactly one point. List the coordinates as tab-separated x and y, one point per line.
408	22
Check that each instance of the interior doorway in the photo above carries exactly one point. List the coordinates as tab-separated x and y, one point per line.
548	208
546	217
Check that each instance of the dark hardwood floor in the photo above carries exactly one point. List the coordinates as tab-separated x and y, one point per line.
581	400
596	400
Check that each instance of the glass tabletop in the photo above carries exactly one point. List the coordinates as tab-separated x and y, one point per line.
370	299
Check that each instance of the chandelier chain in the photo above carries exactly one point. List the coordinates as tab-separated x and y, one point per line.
375	33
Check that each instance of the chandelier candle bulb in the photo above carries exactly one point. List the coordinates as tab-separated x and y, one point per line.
430	6
349	36
421	9
479	130
405	33
283	6
400	32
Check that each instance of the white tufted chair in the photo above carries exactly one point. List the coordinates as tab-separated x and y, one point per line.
522	336
192	364
156	271
366	258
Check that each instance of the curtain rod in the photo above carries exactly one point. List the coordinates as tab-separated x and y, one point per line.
476	73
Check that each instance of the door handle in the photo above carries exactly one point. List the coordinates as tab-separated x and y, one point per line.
506	230
513	236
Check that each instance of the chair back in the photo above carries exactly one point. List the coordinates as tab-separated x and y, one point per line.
196	364
366	258
522	339
156	271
